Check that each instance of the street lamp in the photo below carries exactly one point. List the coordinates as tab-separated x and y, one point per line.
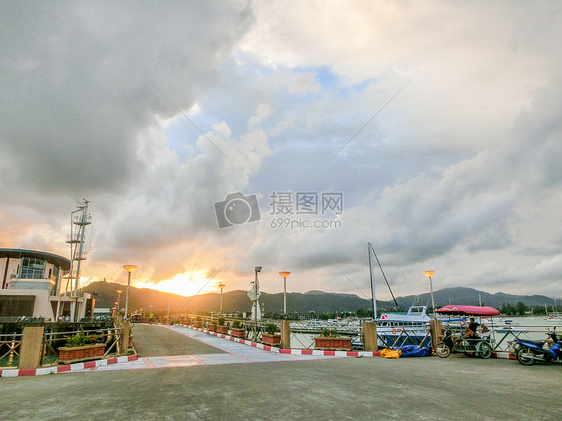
429	274
118	299
257	269
284	275
128	268
221	286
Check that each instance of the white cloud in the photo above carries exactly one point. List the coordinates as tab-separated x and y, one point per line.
459	172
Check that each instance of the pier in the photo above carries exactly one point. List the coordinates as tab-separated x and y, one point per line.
220	383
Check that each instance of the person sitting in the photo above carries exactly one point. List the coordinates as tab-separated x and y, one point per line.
471	330
485	333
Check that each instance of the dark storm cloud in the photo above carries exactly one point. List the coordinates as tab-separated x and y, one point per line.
78	83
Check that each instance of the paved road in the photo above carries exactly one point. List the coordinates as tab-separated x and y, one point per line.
297	389
154	341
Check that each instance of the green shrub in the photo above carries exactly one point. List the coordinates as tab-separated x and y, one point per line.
221	321
236	324
329	332
81	339
270	328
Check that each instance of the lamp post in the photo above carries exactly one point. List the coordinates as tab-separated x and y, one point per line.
128	268
118	299
429	274
221	286
284	275
257	269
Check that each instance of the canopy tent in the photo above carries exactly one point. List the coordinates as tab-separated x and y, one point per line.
468	310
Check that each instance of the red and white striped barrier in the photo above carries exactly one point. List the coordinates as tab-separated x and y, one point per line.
291	351
65	368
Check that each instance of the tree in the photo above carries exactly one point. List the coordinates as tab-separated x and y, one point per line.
521	308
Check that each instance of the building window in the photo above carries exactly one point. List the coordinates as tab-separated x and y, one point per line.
16	305
32	268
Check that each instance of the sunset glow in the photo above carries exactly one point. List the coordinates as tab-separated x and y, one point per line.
183	284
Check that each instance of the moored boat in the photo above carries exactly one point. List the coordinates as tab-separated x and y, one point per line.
409	328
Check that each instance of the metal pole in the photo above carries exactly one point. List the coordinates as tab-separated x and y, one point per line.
284	275
127	299
256	304
221	286
431	289
285	295
369	247
129	269
429	274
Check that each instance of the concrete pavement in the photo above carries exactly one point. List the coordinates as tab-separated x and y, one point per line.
177	346
295	389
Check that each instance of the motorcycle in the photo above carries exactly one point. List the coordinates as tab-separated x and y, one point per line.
450	343
529	352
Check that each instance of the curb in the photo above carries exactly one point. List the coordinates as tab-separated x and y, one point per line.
291	351
66	368
506	355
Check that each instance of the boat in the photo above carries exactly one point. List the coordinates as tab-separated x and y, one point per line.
397	329
409	329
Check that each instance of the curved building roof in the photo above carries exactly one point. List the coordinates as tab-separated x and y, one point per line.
57	260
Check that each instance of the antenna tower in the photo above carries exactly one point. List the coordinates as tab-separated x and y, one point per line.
79	219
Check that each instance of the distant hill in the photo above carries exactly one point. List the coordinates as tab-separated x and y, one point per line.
470	296
105	294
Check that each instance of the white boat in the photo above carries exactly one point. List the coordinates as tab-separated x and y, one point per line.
409	328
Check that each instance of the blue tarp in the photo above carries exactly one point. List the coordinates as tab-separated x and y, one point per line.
415	350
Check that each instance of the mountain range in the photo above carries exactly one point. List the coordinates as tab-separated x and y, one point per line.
105	294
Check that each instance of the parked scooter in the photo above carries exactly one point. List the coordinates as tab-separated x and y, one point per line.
530	352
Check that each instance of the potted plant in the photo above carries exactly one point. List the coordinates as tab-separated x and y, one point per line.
212	326
269	337
331	340
221	327
82	347
198	322
237	330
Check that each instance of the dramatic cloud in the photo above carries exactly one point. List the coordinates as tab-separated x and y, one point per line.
437	122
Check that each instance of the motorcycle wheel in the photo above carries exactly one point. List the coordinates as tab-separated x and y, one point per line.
484	350
525	356
442	350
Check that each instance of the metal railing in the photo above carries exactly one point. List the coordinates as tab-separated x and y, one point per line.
10	345
303	333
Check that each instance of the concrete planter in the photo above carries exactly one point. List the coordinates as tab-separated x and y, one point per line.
222	329
270	339
212	328
330	343
69	355
238	332
198	323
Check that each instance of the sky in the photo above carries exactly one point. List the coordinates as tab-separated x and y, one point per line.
212	137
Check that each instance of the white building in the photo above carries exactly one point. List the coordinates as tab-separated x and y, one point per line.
31	282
